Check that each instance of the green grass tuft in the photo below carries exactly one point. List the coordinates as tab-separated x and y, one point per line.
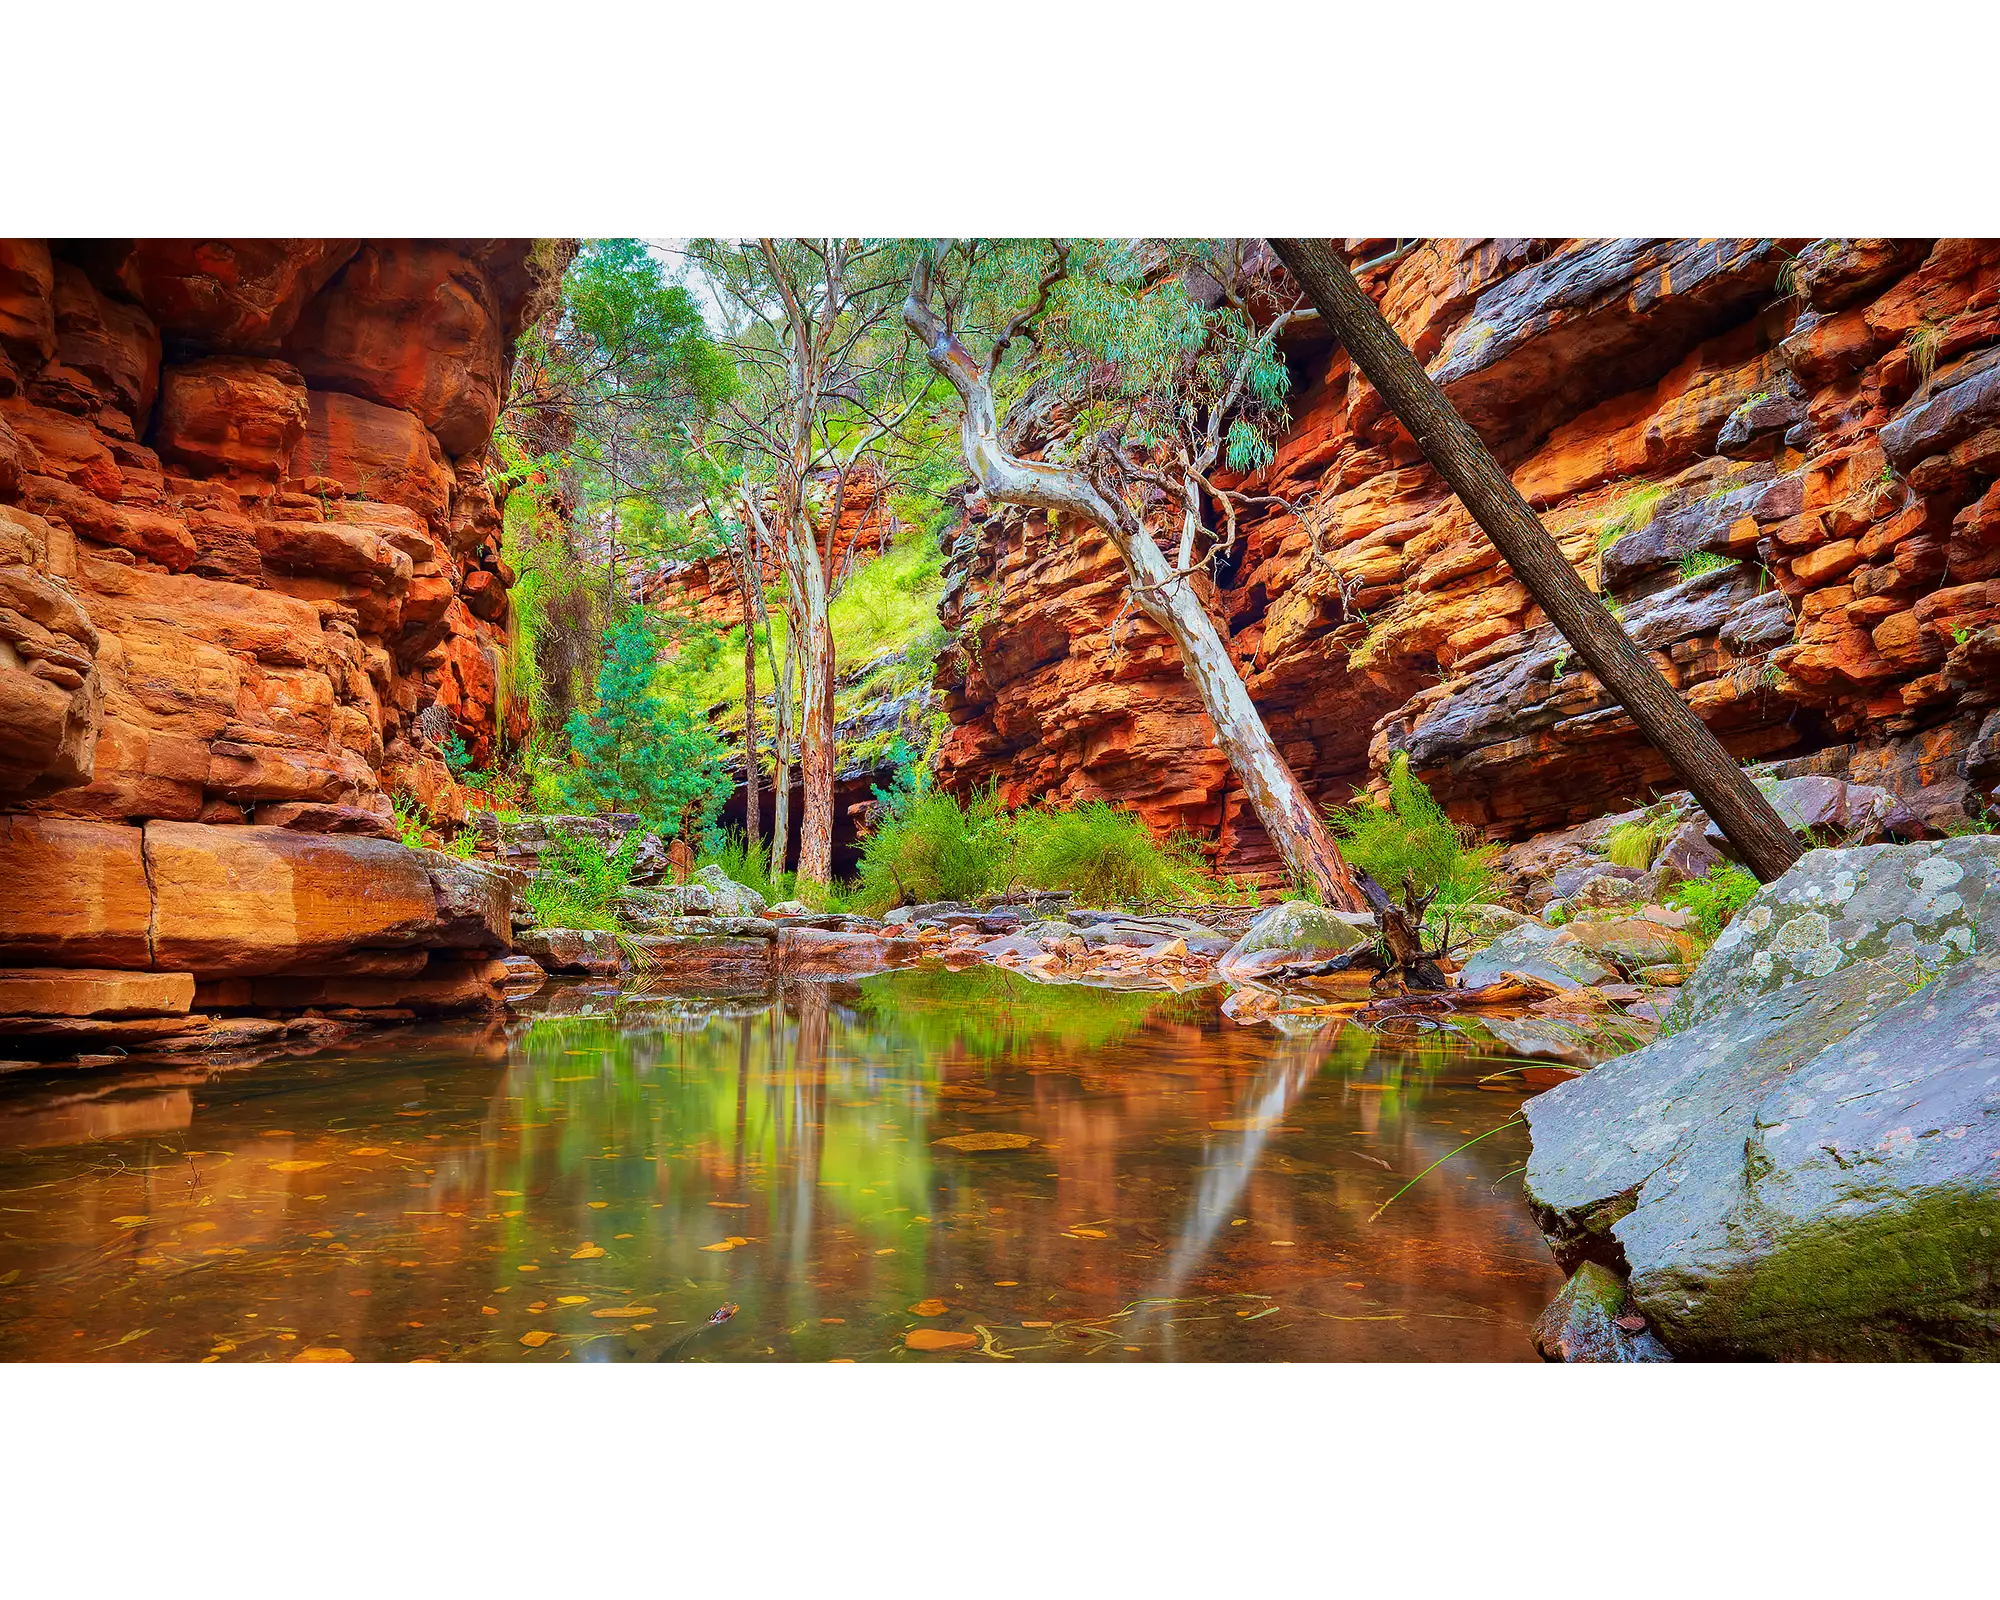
1104	856
579	883
1714	899
1633	844
1700	563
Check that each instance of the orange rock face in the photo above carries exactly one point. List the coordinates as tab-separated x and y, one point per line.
246	537
1787	492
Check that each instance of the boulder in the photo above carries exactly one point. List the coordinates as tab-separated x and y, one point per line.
1629	943
707	960
1589	1320
1297	930
1807	1163
306	816
1535	951
1822	808
584	951
730	899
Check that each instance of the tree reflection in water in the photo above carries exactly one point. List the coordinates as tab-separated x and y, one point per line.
594	1181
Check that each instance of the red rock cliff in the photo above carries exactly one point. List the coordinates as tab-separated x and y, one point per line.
1824	416
245	531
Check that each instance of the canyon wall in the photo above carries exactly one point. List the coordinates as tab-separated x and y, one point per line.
246	536
1774	458
249	574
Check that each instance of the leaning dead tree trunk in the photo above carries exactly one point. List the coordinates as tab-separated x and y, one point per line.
1749	821
1161	591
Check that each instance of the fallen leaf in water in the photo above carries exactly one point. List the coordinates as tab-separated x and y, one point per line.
609	1312
965	1091
1243	1124
597	1205
221	1349
536	1338
149	1261
1281	1242
508	1194
888	1251
1088	1233
589	1252
276	1133
1038	1324
324	1233
539	1305
929	1308
572	1299
368	1150
731	1205
323	1352
296	1166
484	1311
1006	1283
530	1267
939	1339
1354	1286
412	1113
209	1227
360	1294
130	1222
987	1141
833	1321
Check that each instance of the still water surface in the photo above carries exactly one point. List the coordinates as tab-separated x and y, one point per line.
595	1182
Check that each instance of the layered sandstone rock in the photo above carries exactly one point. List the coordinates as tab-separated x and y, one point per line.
246	532
1787	490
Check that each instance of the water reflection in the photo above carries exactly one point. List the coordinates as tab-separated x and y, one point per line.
594	1182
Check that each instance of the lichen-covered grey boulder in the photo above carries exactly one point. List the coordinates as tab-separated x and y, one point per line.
728	897
1535	951
1808	1163
1294	931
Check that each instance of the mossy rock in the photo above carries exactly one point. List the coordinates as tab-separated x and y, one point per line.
1808	1165
1297	930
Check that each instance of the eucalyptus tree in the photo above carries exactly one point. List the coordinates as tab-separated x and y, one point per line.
1161	360
825	379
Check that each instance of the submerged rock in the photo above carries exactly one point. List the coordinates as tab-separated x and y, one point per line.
1808	1164
1589	1321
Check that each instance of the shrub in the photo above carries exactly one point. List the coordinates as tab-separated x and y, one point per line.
1104	856
741	864
1715	898
930	846
410	820
579	883
1412	839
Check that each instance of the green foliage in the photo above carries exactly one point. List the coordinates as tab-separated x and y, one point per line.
929	845
1700	563
1104	855
1412	840
457	759
1634	844
1631	513
410	820
1715	898
637	753
932	846
579	883
1138	344
462	844
742	864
